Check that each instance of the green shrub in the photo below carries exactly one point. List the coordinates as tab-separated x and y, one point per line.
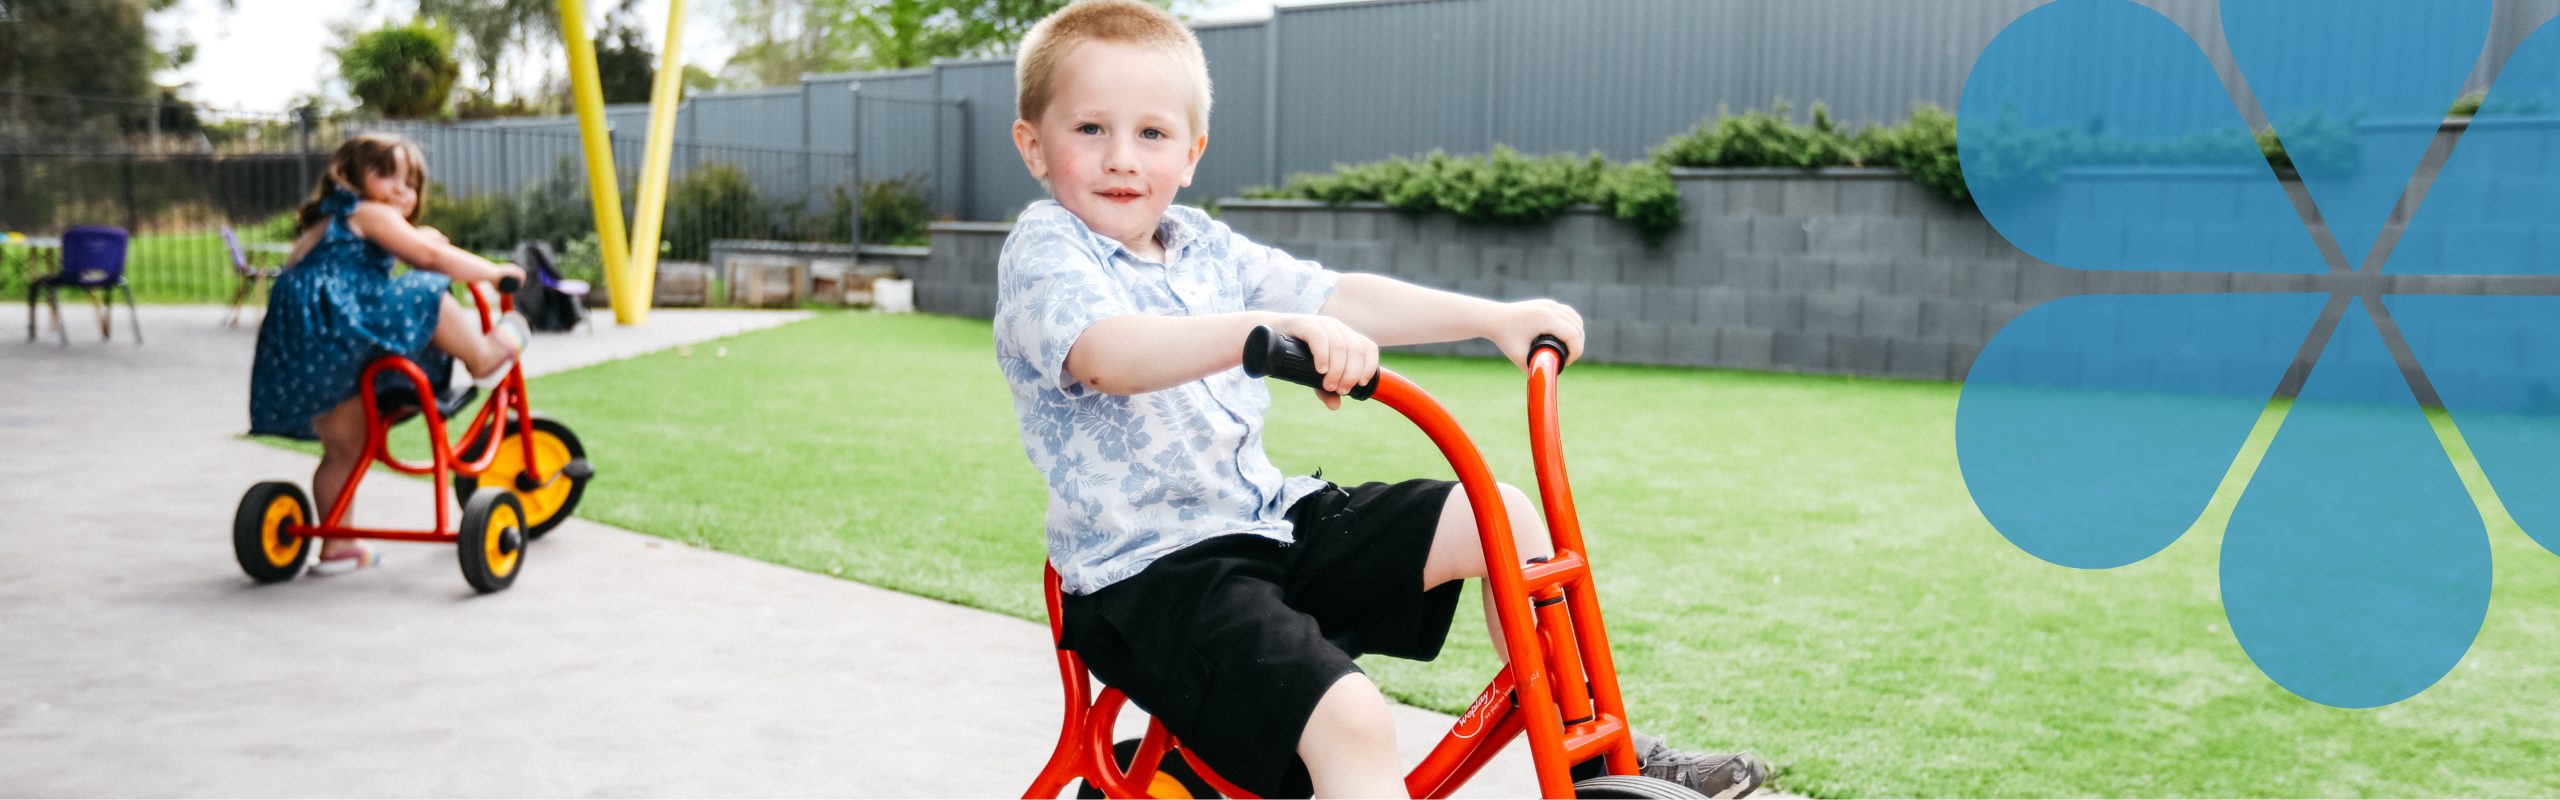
1923	148
553	210
1763	139
479	223
401	71
2469	105
1503	188
582	259
894	211
714	201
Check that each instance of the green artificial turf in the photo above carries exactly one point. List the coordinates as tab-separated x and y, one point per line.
1789	564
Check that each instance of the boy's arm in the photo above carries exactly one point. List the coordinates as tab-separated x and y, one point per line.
1394	312
1135	353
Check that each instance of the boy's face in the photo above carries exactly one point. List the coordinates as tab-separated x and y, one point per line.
1116	141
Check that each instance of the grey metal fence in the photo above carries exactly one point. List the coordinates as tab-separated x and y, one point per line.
1320	85
175	189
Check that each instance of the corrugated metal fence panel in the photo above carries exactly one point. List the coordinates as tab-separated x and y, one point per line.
897	119
830	122
1365	81
1362	81
767	118
984	172
1667	63
1239	114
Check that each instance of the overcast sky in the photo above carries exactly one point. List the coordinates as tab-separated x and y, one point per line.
261	54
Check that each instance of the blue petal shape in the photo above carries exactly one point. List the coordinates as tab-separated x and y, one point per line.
2355	569
2321	68
2093	430
2094	135
2495	362
2495	208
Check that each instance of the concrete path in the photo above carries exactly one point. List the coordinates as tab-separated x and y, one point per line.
136	660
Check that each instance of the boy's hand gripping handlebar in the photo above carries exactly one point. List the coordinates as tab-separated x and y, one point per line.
1270	353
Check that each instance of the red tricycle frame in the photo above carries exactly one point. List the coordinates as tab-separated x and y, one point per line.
445	463
538	466
1560	688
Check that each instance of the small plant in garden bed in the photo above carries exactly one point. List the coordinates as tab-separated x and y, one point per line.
1504	188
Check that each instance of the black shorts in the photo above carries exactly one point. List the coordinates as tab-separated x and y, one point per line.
1230	642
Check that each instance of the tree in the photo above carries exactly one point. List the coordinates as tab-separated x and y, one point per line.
624	64
784	39
402	71
492	30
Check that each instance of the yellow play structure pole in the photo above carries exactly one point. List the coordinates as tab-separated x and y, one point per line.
604	190
653	169
630	266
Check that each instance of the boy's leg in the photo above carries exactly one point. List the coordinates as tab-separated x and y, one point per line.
1457	552
1350	742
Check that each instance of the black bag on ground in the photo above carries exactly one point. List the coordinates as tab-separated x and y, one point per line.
542	300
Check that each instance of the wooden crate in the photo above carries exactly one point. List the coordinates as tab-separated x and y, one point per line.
681	284
760	281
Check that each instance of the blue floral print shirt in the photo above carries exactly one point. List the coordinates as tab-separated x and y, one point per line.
1135	477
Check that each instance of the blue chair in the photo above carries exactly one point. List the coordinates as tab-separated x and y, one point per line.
93	259
250	272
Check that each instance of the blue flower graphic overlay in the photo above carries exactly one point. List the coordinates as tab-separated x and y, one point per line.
2093	430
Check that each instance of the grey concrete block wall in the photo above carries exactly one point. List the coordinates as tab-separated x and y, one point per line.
1842	271
1834	271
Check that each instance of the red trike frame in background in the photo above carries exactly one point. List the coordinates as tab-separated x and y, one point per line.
445	464
272	534
1560	689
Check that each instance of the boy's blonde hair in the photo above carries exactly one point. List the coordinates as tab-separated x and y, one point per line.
1124	21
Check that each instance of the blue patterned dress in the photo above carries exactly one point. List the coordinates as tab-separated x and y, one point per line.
331	313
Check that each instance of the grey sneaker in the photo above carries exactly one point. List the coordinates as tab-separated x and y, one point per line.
1721	775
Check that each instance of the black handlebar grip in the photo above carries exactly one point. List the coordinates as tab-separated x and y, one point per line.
1270	353
509	284
1548	340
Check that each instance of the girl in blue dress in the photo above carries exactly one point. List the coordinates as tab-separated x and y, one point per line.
337	306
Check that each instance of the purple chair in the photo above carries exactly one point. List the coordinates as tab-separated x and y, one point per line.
251	274
92	260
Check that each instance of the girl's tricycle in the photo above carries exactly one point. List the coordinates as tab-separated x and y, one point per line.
1560	690
510	494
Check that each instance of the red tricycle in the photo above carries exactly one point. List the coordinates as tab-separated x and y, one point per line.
1560	689
510	494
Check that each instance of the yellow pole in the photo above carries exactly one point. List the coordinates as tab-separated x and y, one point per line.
604	189
653	169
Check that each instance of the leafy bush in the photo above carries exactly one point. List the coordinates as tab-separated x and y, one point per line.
894	211
553	210
1764	139
1924	148
582	259
1504	188
2469	105
400	71
714	201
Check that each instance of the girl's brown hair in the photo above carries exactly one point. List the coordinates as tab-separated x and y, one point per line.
366	154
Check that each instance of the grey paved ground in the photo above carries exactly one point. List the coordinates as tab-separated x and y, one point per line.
136	660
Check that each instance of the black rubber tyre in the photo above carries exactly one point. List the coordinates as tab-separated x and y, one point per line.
491	540
547	506
1631	786
1183	782
265	552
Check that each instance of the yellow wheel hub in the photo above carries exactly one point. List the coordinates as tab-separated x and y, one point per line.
550	455
502	562
281	548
